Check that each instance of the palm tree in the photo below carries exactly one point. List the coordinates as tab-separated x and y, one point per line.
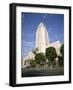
35	51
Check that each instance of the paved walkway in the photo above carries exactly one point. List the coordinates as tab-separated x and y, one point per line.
29	72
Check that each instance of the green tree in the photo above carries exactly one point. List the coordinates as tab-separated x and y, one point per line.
35	51
62	50
61	56
40	58
51	55
32	63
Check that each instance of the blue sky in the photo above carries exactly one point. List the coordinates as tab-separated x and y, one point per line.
54	24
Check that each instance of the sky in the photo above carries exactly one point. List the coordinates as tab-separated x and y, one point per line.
54	24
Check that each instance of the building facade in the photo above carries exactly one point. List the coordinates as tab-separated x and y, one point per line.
42	39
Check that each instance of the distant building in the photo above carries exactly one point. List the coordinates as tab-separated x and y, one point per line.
42	42
56	45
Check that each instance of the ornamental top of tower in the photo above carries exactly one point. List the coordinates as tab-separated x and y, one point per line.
41	25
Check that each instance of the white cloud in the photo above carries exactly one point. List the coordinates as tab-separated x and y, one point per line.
30	43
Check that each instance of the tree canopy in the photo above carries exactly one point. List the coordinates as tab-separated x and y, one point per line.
40	57
62	50
51	54
61	56
35	51
32	63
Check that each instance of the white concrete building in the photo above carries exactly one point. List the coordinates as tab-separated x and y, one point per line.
26	59
42	39
42	42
